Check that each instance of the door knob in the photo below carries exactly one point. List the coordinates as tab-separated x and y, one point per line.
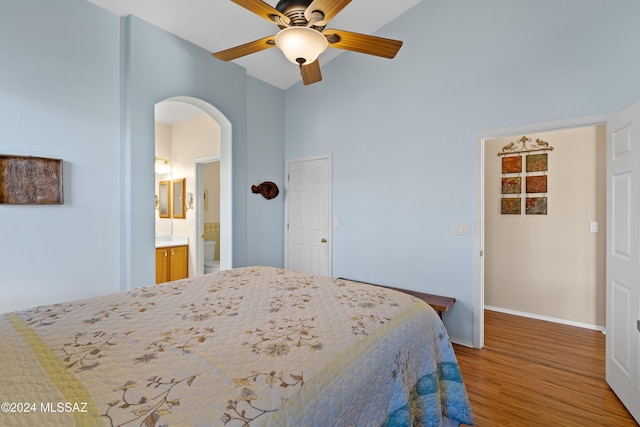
323	240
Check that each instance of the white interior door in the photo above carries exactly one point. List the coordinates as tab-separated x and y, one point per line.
308	215
623	257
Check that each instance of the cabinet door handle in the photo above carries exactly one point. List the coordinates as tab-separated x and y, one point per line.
172	254
165	253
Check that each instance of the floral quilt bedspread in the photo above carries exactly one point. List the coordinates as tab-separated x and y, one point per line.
254	346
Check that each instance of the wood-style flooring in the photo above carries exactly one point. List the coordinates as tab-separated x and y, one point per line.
537	373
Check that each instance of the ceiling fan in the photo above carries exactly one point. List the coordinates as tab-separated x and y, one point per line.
303	37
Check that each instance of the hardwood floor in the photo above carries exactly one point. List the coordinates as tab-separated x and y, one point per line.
537	373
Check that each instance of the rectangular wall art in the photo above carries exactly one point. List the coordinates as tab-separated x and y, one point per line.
26	180
537	162
537	184
536	206
512	164
535	174
510	206
512	185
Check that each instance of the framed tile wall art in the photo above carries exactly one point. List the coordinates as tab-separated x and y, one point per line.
512	164
536	205
536	184
510	206
28	180
531	170
512	185
537	162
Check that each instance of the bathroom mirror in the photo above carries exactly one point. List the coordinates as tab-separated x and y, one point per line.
163	199
178	198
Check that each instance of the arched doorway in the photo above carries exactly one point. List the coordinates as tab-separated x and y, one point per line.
226	202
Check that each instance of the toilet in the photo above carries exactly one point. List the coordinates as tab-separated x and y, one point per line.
210	265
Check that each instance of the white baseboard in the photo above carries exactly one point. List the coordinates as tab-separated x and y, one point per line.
547	318
463	343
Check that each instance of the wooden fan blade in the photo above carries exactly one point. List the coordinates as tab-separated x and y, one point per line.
246	49
329	9
262	9
311	72
371	45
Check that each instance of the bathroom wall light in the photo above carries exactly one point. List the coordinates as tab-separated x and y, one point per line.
162	166
189	201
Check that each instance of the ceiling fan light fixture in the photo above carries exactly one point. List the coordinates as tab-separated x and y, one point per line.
301	45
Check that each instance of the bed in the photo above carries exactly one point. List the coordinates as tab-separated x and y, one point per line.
252	346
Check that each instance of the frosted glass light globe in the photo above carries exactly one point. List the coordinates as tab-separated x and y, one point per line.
301	45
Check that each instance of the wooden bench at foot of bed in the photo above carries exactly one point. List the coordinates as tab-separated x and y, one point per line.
439	303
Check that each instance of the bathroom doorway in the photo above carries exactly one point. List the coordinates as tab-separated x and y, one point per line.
207	215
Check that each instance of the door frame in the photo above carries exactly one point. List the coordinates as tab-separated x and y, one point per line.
226	181
478	224
199	216
288	162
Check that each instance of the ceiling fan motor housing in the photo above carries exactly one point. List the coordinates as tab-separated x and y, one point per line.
294	10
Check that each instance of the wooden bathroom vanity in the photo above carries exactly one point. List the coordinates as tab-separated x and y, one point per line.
172	263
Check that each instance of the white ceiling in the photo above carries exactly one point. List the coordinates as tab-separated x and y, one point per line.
216	25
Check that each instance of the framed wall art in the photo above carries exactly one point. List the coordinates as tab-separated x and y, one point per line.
536	165
510	206
28	180
512	185
536	184
512	164
536	206
537	162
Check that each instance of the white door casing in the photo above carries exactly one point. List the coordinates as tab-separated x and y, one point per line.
199	218
623	240
478	227
623	257
226	187
308	210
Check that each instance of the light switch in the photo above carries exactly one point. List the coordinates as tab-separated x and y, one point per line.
594	227
461	230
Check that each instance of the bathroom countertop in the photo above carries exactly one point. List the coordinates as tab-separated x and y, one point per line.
171	240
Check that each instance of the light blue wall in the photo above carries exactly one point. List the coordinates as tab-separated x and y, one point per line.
402	131
79	83
265	154
59	97
161	66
